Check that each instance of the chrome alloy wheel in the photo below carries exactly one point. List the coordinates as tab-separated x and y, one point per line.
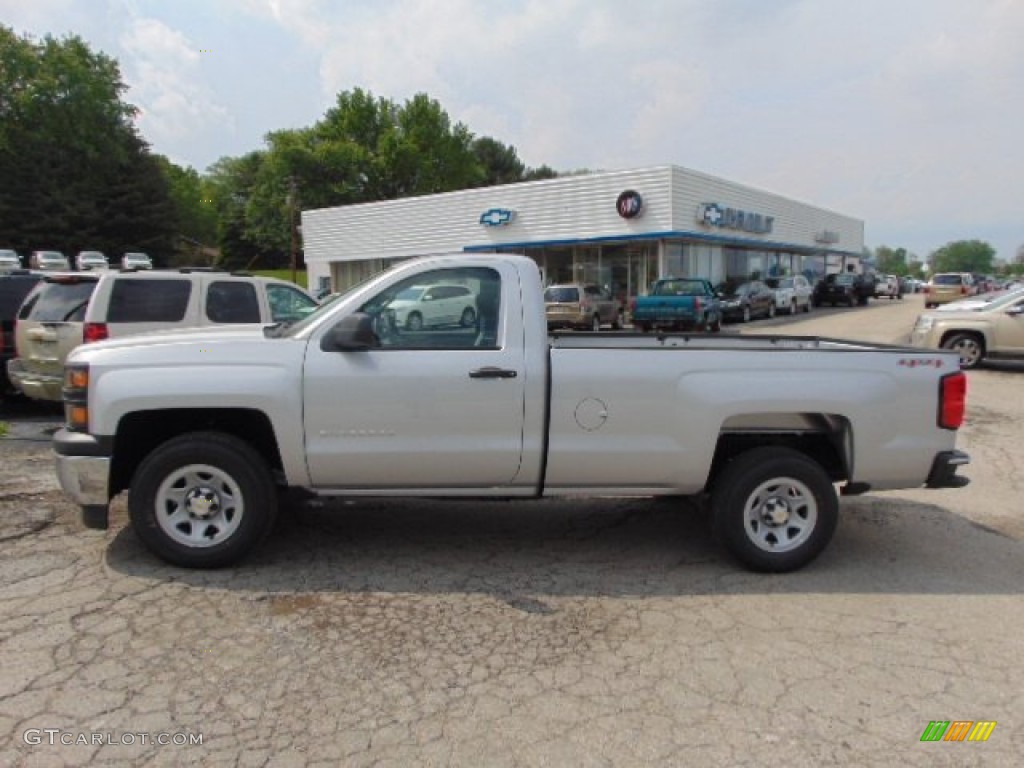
199	505
780	515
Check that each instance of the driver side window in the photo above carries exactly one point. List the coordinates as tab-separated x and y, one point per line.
457	308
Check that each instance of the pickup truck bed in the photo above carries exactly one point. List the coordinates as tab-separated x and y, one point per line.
201	426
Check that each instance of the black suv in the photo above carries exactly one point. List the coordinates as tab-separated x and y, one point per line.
844	288
14	287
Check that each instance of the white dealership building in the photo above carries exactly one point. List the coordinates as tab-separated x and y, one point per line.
620	230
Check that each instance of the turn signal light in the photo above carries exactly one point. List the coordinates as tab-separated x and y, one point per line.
76	417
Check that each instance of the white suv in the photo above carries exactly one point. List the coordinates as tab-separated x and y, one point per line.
63	311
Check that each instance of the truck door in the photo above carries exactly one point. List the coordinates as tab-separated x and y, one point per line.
436	407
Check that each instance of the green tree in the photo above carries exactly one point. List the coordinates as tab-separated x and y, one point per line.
75	172
192	197
891	261
500	163
964	256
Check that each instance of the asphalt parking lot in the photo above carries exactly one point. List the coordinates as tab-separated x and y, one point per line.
549	633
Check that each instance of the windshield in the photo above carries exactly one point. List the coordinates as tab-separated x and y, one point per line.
561	295
412	293
678	288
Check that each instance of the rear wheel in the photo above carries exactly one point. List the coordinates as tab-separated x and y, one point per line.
595	323
774	509
202	500
414	322
970	348
746	314
771	310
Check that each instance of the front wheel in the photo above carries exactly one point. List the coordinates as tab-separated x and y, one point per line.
746	314
468	318
202	500
969	347
595	323
774	509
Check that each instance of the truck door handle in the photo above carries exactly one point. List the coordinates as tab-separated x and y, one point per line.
491	372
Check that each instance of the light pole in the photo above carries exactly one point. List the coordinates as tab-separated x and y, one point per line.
292	199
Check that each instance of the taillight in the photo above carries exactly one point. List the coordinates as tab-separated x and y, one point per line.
697	305
952	400
963	289
95	332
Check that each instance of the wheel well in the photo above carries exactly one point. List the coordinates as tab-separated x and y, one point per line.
977	335
139	433
822	438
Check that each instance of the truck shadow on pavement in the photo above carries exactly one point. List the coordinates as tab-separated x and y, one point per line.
607	547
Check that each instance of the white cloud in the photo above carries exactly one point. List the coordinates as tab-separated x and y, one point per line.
163	70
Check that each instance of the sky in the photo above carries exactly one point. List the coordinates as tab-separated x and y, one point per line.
906	114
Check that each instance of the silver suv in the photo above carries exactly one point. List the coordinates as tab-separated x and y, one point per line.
63	311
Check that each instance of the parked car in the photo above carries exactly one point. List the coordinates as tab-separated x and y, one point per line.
746	301
586	307
63	311
431	306
14	287
888	286
136	260
792	293
948	286
994	330
844	288
86	260
9	260
48	260
678	303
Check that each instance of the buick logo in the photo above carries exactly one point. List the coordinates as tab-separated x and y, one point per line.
629	204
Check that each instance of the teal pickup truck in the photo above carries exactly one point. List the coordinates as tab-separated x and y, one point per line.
678	304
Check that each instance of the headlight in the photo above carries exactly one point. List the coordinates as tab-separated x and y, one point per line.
76	397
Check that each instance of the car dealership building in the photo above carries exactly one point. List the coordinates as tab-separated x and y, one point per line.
620	230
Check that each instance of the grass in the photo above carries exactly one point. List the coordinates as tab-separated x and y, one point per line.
284	274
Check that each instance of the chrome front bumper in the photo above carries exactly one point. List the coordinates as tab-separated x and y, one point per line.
84	478
83	466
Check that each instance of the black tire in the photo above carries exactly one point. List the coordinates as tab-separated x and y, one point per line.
970	347
468	319
595	323
228	482
645	327
783	483
771	310
617	321
414	322
793	307
745	317
807	308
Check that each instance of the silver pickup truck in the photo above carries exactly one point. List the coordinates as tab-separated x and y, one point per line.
204	427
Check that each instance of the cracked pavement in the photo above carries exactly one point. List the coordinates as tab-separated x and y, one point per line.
549	633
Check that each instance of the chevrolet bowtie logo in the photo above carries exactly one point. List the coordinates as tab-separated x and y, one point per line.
497	217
